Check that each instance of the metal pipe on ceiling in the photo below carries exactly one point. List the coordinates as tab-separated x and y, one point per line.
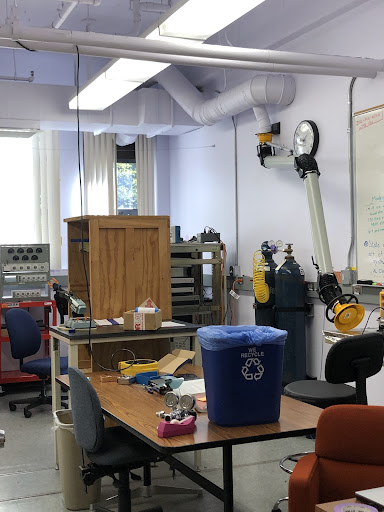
368	66
180	59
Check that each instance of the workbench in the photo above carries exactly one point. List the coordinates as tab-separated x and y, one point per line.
112	334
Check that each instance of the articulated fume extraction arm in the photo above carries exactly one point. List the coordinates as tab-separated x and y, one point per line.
347	313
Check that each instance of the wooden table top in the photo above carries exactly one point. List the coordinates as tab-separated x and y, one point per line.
134	408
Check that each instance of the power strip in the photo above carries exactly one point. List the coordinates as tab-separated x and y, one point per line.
22	267
31	278
23	294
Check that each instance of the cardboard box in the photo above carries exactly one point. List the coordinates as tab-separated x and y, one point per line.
172	362
141	321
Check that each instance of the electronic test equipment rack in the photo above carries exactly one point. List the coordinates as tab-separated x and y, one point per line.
24	272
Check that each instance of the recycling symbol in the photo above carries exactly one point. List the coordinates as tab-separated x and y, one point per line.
252	369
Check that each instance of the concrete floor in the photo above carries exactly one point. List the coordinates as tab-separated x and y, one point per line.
30	482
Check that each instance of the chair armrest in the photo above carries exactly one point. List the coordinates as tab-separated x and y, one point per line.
303	487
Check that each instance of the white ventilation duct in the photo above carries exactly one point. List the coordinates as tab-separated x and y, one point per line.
255	93
262	119
124	139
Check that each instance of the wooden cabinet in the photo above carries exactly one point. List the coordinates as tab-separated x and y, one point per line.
127	260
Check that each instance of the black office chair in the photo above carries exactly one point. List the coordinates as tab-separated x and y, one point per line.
25	340
112	450
351	359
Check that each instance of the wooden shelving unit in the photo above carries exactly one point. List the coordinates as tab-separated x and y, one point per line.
189	301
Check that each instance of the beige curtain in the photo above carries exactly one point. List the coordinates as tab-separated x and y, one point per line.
46	178
145	165
100	174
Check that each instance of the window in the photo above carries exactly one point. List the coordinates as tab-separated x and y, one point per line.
126	180
20	200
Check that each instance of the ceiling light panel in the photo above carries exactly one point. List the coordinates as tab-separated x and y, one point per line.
101	93
200	19
134	70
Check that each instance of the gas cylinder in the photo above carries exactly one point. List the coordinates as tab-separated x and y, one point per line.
290	315
265	312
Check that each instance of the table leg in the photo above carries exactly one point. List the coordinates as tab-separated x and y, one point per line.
73	360
55	372
73	356
56	388
197	460
228	478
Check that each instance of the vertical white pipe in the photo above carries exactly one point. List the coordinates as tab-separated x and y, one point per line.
319	230
352	206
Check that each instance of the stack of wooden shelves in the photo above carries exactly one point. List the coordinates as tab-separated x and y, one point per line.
190	302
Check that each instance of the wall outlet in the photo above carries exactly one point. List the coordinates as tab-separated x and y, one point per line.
236	271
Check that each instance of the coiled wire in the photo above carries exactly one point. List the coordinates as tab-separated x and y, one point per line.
260	287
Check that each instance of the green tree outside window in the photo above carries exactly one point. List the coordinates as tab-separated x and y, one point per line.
126	177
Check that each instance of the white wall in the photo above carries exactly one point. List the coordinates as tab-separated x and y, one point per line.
272	203
162	181
69	187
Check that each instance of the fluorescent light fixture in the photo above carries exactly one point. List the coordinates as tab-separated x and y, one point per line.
18	128
134	70
155	35
99	93
189	22
18	133
200	19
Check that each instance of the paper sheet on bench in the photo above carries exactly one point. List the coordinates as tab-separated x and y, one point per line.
171	324
190	387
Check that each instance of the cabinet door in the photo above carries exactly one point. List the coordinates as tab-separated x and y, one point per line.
129	261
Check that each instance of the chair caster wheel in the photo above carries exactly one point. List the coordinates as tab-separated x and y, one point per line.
12	407
27	414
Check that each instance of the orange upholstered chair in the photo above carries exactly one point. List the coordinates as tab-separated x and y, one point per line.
349	456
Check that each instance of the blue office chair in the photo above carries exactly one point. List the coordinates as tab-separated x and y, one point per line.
25	339
112	450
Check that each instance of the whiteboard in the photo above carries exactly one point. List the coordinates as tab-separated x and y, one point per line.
369	169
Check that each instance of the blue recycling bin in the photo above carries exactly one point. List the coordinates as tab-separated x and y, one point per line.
243	367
